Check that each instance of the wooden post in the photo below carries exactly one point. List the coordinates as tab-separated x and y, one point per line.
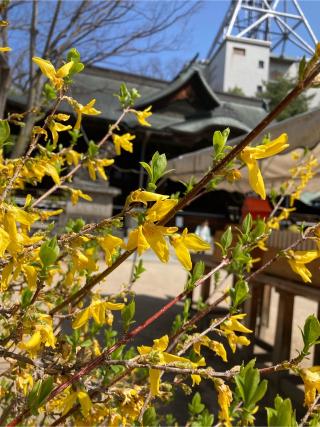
282	344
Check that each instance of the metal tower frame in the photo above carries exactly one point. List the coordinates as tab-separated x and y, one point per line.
268	20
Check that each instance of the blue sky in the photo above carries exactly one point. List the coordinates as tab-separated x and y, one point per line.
206	22
203	26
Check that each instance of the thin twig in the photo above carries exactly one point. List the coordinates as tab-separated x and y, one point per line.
65	178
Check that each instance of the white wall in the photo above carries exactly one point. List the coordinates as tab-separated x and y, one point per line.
243	70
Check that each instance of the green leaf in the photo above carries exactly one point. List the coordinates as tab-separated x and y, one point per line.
282	414
239	293
4	131
219	141
73	55
249	389
26	297
150	417
39	393
196	274
311	332
127	314
196	406
247	224
49	252
205	419
258	230
138	270
127	97
49	92
93	149
147	167
158	165
226	239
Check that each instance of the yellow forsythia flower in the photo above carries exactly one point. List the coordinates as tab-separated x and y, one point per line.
311	380
98	165
124	142
158	351
55	76
297	262
25	382
182	243
275	221
110	244
215	346
224	401
82	397
4	241
75	194
97	310
141	196
88	109
160	209
72	157
43	335
56	127
151	235
31	274
250	155
232	325
143	115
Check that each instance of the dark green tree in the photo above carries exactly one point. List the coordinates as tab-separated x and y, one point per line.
275	90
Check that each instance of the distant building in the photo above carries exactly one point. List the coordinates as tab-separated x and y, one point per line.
250	46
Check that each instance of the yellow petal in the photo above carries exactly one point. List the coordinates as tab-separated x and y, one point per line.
109	244
154	381
4	241
85	402
160	209
23	217
255	178
98	312
154	236
65	69
161	344
144	349
6	276
33	343
301	270
274	147
219	349
81	318
113	305
52	171
46	67
182	252
137	240
5	49
144	197
196	379
69	402
31	276
194	242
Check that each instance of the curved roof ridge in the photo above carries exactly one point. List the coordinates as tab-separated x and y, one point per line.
176	84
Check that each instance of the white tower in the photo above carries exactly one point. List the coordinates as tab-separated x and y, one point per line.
253	42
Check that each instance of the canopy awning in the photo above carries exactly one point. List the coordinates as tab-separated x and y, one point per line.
303	132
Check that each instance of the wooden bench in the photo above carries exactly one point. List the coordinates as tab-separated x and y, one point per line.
257	308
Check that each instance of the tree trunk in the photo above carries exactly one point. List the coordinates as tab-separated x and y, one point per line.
5	79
